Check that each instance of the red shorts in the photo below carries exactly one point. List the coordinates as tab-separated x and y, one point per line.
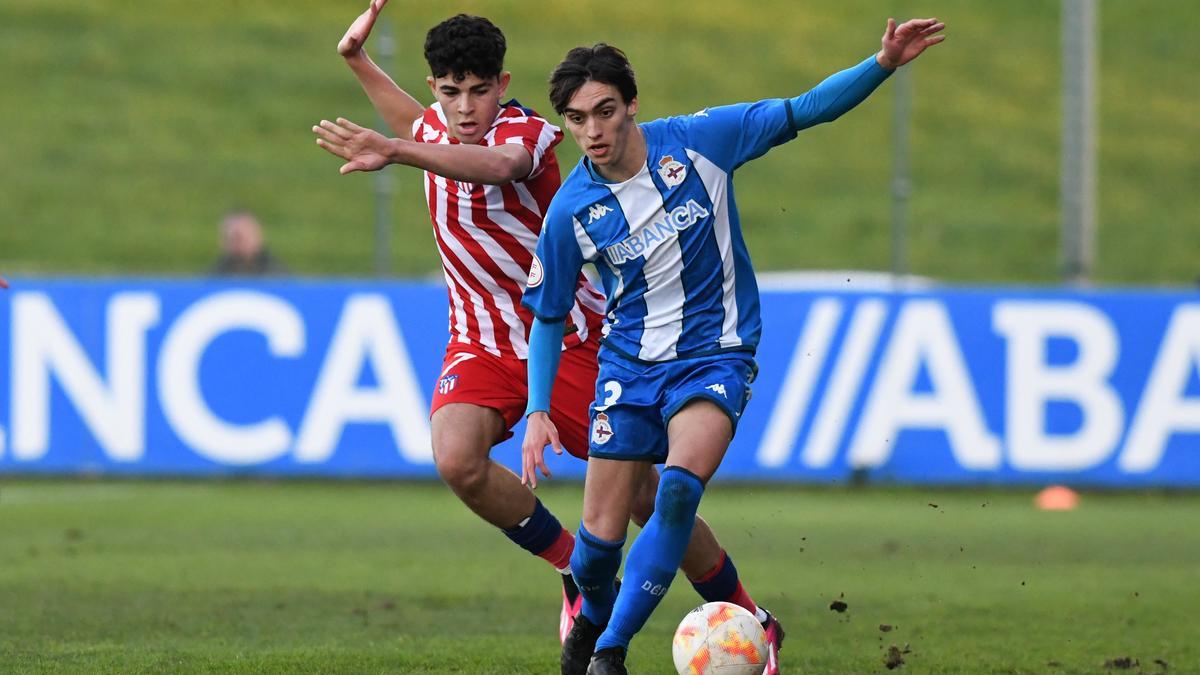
472	375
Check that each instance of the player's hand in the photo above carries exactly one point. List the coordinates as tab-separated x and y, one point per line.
363	149
539	432
352	42
905	42
3	283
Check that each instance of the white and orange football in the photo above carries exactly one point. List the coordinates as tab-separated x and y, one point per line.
719	638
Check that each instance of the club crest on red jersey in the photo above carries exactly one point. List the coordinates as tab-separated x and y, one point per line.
602	431
671	171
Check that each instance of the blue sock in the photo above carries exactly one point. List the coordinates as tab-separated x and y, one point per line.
655	555
538	532
594	564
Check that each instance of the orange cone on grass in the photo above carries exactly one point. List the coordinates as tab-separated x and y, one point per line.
1057	498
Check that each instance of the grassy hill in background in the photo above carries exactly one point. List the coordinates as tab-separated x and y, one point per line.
130	127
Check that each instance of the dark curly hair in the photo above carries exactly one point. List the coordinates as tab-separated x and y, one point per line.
465	44
602	63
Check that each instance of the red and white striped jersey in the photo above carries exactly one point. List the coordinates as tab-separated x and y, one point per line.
487	235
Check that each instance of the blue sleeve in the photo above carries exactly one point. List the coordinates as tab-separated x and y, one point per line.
545	349
838	94
732	135
554	274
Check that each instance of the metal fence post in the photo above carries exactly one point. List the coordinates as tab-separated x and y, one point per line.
1078	179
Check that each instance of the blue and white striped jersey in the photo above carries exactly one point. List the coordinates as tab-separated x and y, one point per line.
667	242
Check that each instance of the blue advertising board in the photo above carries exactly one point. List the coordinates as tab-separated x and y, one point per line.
279	378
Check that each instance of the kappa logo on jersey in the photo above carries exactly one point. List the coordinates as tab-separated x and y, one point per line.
602	431
672	172
446	384
535	273
644	241
719	388
701	113
597	211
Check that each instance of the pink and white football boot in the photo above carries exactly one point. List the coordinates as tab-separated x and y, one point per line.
774	643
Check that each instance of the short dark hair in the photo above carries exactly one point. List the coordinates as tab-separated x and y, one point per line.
602	63
465	44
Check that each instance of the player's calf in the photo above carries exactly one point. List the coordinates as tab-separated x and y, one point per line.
595	563
655	555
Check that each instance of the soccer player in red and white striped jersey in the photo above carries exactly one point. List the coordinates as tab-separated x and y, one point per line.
486	234
490	172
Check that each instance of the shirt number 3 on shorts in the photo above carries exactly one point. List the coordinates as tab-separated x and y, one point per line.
612	392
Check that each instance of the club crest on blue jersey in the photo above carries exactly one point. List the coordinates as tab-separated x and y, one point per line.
535	273
602	431
671	171
446	384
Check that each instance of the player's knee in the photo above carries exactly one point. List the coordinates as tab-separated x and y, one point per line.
461	469
679	493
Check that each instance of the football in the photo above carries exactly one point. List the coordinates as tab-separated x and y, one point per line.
719	638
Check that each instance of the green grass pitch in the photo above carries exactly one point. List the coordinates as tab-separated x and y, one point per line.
267	577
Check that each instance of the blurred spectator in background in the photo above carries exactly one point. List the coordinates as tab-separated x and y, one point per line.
243	252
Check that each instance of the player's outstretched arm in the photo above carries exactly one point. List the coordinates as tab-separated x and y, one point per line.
363	149
907	41
358	32
733	135
842	91
398	109
368	150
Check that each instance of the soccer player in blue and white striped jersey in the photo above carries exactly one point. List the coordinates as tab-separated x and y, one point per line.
652	206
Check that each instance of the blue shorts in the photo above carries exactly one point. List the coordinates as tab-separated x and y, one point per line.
634	401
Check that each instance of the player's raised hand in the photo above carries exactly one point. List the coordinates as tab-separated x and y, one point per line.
905	42
363	149
539	432
356	35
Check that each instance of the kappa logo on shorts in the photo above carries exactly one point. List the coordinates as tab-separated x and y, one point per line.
446	384
601	430
719	388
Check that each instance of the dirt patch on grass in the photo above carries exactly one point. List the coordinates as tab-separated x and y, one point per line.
895	656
